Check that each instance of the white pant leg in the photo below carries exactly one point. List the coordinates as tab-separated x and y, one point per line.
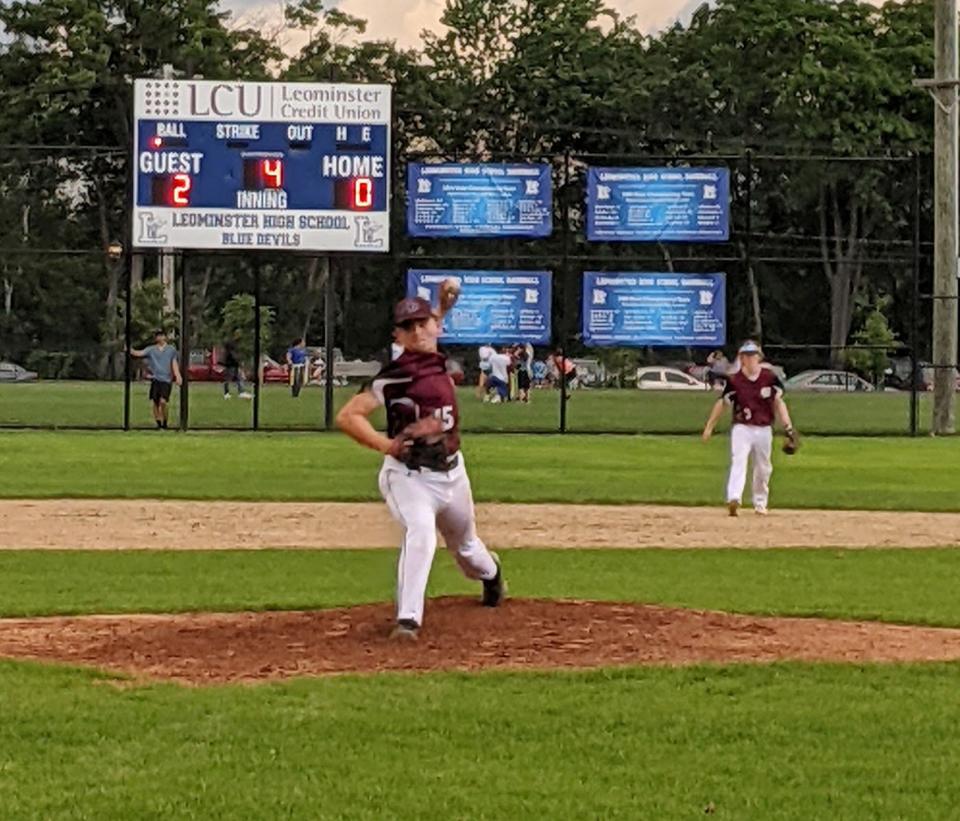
457	523
762	465
412	504
740	444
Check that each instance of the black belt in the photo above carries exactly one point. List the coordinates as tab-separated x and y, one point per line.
452	463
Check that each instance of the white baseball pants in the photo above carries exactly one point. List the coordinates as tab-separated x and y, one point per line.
747	441
422	501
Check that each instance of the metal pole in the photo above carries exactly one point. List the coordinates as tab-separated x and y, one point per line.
915	301
127	342
945	218
563	390
748	246
564	325
184	346
256	345
328	322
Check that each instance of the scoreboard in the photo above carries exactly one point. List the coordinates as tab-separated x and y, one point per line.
261	166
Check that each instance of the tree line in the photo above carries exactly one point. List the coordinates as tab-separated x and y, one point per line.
789	93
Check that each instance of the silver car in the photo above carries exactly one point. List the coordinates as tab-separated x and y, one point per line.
10	372
828	381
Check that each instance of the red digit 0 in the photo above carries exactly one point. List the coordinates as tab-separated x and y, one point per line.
362	192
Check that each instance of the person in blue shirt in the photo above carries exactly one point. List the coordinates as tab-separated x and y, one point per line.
164	367
297	365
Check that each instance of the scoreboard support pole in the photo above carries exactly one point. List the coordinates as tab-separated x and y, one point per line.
184	344
128	341
328	320
258	370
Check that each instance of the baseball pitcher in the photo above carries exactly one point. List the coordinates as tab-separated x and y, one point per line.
756	395
423	478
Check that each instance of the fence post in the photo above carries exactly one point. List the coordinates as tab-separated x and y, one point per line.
915	300
564	328
256	344
328	322
184	343
127	342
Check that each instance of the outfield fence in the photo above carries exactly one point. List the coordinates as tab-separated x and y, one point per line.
802	230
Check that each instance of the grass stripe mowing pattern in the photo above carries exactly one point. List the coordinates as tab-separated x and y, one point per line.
777	742
870	585
881	474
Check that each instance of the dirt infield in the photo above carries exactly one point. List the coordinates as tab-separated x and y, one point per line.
460	635
115	525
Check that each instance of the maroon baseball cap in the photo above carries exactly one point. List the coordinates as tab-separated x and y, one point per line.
411	309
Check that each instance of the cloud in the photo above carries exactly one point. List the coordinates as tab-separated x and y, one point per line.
403	20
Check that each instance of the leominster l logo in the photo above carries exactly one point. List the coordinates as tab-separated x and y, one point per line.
150	230
367	233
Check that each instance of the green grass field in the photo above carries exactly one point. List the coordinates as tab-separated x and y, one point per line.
788	741
90	404
850	584
836	472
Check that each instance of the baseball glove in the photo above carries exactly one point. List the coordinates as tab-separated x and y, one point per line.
422	444
449	293
791	443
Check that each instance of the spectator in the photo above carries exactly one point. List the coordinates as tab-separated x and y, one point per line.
297	365
718	368
484	353
565	369
499	379
524	371
164	368
231	368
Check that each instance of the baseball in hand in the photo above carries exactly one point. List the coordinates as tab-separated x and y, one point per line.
449	292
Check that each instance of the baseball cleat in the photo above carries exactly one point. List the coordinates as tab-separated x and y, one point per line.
494	589
760	511
406	630
733	508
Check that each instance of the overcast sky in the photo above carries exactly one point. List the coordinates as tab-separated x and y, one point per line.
406	18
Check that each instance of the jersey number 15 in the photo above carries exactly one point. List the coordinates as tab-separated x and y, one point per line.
445	415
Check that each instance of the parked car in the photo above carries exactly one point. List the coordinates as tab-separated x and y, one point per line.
10	372
272	371
658	378
828	382
205	367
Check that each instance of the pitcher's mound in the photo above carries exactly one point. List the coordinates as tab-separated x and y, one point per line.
459	635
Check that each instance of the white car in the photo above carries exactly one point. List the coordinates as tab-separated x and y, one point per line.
657	378
828	382
9	372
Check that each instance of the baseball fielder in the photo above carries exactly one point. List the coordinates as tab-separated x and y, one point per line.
756	395
423	479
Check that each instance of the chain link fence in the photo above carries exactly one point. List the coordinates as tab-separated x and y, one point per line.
818	245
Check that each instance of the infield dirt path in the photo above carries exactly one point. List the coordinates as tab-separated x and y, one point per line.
125	524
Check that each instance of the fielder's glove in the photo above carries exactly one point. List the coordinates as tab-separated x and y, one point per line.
791	444
422	444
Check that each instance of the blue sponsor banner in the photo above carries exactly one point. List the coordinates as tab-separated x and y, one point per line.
479	200
494	306
658	204
634	309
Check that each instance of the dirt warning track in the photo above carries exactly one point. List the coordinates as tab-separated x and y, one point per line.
177	525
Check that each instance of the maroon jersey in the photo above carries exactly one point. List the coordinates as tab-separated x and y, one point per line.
753	399
416	386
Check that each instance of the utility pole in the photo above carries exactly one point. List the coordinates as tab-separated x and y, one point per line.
943	88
